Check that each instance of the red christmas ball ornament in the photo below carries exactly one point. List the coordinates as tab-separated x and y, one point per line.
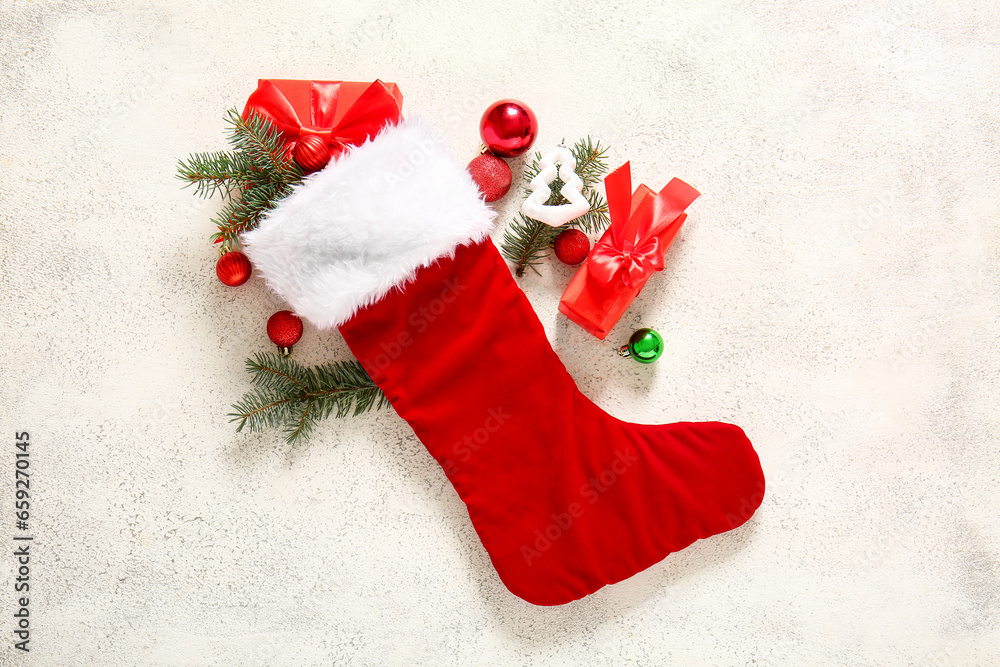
233	268
284	328
572	246
508	128
311	152
492	175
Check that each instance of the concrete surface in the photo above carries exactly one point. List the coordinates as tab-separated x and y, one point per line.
834	293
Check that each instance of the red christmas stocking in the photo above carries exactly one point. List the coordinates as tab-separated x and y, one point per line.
390	243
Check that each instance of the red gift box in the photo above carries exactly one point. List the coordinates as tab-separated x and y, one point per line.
643	225
343	112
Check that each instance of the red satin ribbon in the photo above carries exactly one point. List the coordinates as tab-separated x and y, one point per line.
375	108
631	252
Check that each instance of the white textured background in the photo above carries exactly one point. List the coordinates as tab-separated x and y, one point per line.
834	292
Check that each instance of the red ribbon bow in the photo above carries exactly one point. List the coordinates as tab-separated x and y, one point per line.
377	106
632	250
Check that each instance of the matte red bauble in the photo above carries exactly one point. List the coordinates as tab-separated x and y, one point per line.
571	246
508	128
284	328
492	175
233	268
311	152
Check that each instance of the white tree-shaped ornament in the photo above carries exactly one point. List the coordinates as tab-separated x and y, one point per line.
556	215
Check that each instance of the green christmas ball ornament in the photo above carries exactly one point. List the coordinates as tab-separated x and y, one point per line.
645	346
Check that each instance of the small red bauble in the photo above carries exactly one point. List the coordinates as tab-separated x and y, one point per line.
311	152
508	128
284	328
233	268
492	175
572	246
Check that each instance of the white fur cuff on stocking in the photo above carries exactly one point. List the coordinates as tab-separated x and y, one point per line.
366	223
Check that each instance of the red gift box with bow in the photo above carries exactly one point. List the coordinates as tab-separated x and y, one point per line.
344	113
643	225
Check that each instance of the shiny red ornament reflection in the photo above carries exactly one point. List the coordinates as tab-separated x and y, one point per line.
233	268
508	128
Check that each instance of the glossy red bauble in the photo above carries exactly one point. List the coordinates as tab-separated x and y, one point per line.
571	246
311	152
508	128
233	268
284	328
492	175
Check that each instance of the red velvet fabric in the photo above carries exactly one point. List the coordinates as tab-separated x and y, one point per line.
564	497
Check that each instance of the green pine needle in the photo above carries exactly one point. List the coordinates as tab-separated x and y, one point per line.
526	241
296	399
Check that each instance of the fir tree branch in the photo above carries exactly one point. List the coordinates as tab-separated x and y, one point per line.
263	145
211	173
288	395
591	162
273	371
243	212
526	241
252	179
